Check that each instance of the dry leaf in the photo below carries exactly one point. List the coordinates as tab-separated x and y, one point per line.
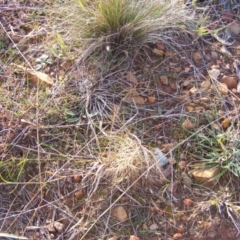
214	73
35	76
188	124
225	123
132	78
120	214
38	77
225	51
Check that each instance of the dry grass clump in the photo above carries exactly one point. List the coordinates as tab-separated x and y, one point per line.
126	158
112	26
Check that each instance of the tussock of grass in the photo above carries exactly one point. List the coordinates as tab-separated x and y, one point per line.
126	158
118	25
214	147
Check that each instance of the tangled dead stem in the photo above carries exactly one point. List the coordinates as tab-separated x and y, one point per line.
89	90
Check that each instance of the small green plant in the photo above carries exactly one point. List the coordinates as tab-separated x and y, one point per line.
11	170
215	147
42	62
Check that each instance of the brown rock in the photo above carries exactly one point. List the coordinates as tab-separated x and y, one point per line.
151	99
187	202
214	55
173	86
205	176
66	64
77	178
235	28
212	234
227	16
153	227
135	100
215	67
181	228
133	237
177	69
15	37
197	56
188	87
120	213
206	84
193	90
186	83
167	90
214	73
182	164
169	54
132	78
223	89
164	80
158	52
187	124
58	226
230	81
160	47
79	194
114	238
234	90
177	236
